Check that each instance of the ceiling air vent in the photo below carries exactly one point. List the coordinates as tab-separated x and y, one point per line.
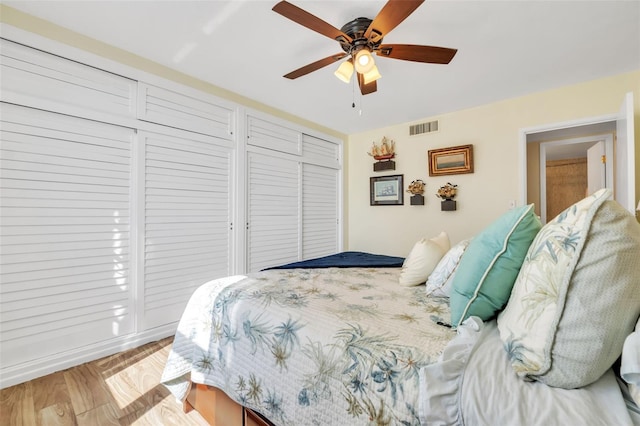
418	129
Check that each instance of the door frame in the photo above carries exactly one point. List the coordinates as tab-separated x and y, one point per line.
524	132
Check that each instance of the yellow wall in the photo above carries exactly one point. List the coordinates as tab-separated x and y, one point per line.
494	130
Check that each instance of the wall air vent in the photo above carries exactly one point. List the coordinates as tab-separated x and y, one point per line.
418	129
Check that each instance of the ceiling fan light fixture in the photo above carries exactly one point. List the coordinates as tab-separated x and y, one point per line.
364	61
345	71
372	75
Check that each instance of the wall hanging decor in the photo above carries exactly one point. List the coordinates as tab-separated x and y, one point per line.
447	193
386	190
384	154
451	161
416	187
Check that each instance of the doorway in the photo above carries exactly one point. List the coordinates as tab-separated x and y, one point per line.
622	171
571	169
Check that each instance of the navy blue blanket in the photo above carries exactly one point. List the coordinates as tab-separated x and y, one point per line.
347	259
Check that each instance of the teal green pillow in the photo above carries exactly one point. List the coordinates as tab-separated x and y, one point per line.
490	265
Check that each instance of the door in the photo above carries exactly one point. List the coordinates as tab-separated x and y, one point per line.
65	273
273	210
186	209
596	168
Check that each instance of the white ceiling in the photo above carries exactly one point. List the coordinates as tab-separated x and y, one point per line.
505	49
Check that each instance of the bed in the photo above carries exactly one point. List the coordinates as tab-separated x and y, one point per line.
337	341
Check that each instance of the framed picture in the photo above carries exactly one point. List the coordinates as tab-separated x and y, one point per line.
451	161
386	190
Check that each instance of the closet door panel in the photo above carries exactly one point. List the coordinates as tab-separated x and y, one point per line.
320	151
319	211
273	211
200	114
273	136
187	219
64	238
38	79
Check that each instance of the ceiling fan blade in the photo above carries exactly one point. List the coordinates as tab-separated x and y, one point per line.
365	89
310	21
416	53
394	12
314	66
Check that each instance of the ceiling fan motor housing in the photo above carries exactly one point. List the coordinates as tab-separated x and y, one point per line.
356	29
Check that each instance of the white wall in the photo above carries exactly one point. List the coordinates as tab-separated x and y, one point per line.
493	129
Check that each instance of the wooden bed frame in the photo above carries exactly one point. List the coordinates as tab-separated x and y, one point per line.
218	409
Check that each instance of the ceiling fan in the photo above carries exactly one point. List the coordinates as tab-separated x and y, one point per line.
362	37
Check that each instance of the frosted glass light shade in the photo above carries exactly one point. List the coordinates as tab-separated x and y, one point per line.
364	61
344	71
372	75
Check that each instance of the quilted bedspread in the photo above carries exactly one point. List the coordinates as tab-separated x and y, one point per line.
330	346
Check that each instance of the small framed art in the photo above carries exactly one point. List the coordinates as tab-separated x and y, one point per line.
386	190
451	161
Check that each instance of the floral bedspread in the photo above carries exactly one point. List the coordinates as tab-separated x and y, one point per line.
312	346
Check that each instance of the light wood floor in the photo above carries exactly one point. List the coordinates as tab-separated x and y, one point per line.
122	389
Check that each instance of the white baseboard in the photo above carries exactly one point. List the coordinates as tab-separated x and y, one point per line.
20	373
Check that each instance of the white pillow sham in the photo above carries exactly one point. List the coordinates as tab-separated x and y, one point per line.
575	300
422	259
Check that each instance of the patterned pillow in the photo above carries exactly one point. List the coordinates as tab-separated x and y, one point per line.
490	265
439	282
424	256
577	296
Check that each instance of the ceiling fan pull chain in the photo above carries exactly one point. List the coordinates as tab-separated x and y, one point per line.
353	93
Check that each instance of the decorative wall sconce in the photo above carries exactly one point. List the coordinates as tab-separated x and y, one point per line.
416	188
383	153
447	193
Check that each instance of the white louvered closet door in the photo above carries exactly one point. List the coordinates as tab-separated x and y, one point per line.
64	237
319	211
273	211
187	219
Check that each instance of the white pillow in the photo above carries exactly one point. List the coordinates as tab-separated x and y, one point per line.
439	282
423	258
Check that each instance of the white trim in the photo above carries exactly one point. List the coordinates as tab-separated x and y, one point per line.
625	152
137	231
340	195
239	191
542	164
